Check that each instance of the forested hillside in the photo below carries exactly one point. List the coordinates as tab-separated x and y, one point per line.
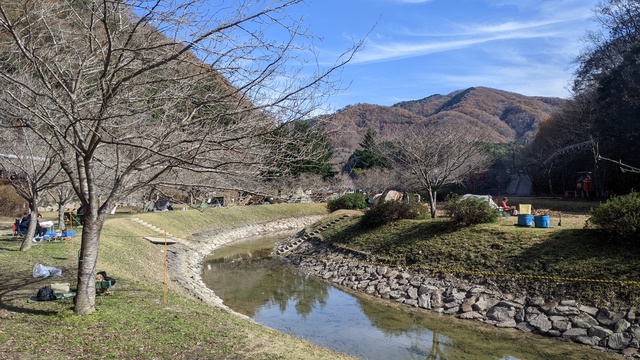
502	116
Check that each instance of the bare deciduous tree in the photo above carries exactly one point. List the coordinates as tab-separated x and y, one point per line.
34	170
376	180
133	93
62	195
433	156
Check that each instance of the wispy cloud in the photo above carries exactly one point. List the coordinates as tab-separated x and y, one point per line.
550	23
378	51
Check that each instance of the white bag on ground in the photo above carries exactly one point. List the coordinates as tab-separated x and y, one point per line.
40	270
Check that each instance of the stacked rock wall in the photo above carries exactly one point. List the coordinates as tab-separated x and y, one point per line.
603	328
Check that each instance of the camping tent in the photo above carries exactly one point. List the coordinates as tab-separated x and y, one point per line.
483	197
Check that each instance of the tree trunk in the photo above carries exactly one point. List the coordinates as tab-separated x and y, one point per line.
432	203
85	300
31	230
61	225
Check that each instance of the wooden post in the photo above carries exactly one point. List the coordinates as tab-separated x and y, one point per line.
165	268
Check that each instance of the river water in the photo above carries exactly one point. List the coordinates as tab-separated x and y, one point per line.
251	283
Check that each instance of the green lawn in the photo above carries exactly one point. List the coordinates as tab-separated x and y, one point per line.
567	261
135	322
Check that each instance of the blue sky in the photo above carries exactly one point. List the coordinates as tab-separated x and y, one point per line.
417	48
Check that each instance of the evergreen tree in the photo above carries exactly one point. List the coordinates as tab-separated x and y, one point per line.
370	155
308	150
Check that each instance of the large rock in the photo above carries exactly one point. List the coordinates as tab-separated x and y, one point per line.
484	303
618	341
586	340
564	310
424	289
621	326
599	331
509	323
436	299
575	332
424	301
583	321
412	293
471	315
500	314
560	323
608	318
589	310
542	323
525	327
391	274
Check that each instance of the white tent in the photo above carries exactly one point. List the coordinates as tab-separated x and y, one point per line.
483	197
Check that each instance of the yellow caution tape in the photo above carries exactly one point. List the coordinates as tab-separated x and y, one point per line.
485	273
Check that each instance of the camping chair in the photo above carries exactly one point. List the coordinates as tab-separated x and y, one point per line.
524	209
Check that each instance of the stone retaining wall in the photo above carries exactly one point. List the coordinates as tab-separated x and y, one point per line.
605	329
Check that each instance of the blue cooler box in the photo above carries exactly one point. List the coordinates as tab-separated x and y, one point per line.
542	221
525	220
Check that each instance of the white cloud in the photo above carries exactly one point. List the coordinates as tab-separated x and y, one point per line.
375	51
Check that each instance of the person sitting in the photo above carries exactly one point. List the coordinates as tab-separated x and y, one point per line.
24	224
40	230
506	208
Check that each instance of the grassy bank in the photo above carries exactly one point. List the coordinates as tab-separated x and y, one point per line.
561	262
135	322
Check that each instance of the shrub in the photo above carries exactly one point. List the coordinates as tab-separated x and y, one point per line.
470	211
619	216
390	211
353	201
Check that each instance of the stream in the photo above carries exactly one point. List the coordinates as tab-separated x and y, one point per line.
250	282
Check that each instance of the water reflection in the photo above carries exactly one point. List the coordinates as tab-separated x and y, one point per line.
253	284
291	302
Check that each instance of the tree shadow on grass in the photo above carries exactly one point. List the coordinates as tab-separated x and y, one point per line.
9	242
397	243
585	264
584	253
18	286
19	291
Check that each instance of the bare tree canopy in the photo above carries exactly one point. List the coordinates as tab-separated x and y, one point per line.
132	93
433	156
32	169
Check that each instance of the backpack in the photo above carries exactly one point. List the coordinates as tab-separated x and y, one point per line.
45	294
111	280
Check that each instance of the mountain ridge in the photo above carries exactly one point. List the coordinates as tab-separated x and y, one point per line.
503	116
